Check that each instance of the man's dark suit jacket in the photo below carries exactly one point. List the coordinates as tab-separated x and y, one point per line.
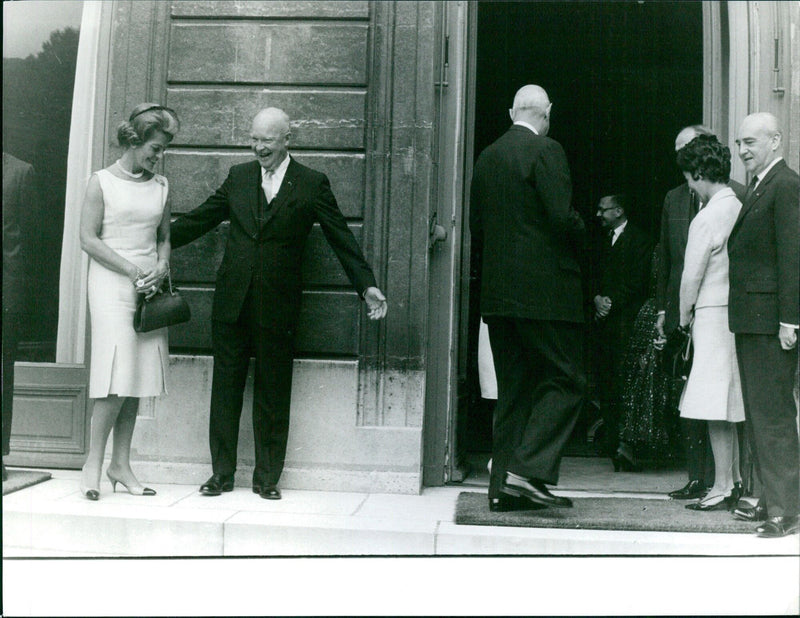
17	198
626	274
268	255
528	229
680	207
764	254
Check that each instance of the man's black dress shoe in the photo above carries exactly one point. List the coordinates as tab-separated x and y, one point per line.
691	491
260	483
217	484
746	512
776	527
535	491
270	492
505	504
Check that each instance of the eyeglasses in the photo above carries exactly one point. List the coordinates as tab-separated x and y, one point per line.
152	108
609	208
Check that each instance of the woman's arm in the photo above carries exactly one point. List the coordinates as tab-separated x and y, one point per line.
698	252
91	226
154	278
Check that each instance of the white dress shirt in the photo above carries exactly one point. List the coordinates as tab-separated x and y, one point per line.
527	125
618	232
271	181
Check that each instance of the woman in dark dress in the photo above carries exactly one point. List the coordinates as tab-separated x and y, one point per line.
649	419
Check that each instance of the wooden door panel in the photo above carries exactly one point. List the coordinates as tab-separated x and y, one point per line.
50	425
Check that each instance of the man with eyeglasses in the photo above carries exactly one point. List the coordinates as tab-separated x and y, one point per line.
619	294
272	204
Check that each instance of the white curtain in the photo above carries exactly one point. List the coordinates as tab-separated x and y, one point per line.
71	341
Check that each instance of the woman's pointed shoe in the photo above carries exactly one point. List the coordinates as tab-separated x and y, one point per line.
135	491
90	494
727	503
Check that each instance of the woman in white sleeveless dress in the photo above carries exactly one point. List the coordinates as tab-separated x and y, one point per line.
713	391
125	232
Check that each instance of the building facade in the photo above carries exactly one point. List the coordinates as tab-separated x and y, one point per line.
388	99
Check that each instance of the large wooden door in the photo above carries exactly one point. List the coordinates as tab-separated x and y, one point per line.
441	461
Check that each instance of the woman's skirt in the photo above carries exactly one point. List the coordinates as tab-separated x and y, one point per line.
713	391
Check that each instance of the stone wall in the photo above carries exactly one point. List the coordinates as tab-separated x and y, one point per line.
356	79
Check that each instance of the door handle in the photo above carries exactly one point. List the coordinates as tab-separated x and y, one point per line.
437	233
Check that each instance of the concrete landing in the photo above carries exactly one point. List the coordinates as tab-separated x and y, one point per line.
54	519
258	549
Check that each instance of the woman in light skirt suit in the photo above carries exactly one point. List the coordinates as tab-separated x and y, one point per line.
125	231
713	391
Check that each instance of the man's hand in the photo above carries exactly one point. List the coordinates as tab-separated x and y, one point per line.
376	303
660	338
660	320
602	305
788	337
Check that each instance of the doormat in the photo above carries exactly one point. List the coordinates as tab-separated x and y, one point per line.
20	479
472	509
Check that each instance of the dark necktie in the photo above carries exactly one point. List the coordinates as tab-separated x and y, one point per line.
694	203
751	188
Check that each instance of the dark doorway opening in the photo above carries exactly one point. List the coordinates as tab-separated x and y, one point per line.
624	78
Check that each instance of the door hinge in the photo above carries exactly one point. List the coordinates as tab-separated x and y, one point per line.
443	83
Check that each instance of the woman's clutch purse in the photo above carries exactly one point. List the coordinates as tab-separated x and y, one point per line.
164	308
678	353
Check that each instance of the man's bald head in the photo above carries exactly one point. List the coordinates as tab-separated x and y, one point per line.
274	117
269	137
759	141
532	105
687	134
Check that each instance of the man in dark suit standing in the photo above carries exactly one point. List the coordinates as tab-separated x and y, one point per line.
17	197
680	206
619	294
764	313
531	299
272	204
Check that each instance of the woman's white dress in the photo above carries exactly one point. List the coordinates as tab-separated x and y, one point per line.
124	362
713	391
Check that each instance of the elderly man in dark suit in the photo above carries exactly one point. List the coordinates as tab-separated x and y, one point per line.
619	294
764	313
531	300
17	197
272	204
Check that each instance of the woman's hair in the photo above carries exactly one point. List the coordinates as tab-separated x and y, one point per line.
705	157
144	121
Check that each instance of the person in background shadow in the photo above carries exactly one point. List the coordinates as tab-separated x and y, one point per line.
18	195
648	420
272	204
619	294
713	391
764	314
532	301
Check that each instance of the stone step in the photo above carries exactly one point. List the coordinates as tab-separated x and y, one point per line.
53	519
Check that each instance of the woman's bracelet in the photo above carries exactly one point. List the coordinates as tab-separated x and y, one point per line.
138	281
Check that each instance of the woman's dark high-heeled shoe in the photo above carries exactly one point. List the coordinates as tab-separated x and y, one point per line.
625	463
135	491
